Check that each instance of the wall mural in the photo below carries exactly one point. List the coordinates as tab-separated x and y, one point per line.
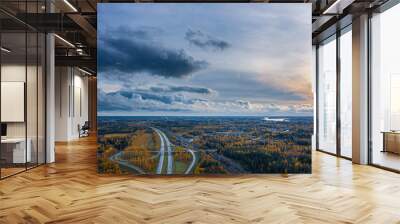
204	88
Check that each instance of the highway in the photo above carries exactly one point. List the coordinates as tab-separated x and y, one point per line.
165	145
162	151
170	156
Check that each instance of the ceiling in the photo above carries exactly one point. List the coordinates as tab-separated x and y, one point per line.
75	22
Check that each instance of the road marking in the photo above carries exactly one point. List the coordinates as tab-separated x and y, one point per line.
170	156
162	147
193	161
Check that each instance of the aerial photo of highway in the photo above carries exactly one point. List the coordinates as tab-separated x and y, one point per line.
187	145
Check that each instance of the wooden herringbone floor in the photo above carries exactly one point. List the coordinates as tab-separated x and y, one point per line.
70	191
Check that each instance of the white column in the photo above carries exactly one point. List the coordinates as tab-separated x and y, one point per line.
360	90
314	91
50	98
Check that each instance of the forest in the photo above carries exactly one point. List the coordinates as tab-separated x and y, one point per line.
204	145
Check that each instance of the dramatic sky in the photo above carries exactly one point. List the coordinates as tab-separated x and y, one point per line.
204	59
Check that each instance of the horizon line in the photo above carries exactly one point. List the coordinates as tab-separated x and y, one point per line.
204	115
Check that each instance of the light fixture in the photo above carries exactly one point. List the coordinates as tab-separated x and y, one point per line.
84	71
65	41
70	5
80	51
337	7
5	50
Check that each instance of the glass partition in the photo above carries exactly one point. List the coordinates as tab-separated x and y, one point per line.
22	88
13	109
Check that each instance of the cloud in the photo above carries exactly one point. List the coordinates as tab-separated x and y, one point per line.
143	96
252	86
295	84
205	41
253	65
115	102
191	89
245	104
137	55
141	100
135	101
187	89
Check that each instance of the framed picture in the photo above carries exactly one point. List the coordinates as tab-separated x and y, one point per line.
212	88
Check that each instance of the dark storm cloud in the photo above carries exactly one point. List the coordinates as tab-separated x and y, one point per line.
128	100
191	89
187	89
107	102
144	96
205	41
139	55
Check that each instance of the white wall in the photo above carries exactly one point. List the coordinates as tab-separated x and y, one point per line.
16	73
71	102
62	81
11	73
80	109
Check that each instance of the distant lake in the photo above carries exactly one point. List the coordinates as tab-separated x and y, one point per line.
275	119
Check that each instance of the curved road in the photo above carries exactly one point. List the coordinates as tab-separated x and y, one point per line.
165	145
192	163
116	158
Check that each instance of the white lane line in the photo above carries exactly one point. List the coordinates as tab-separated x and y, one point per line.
192	163
170	156
162	150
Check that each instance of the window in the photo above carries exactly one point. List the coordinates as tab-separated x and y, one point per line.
385	89
346	93
327	96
